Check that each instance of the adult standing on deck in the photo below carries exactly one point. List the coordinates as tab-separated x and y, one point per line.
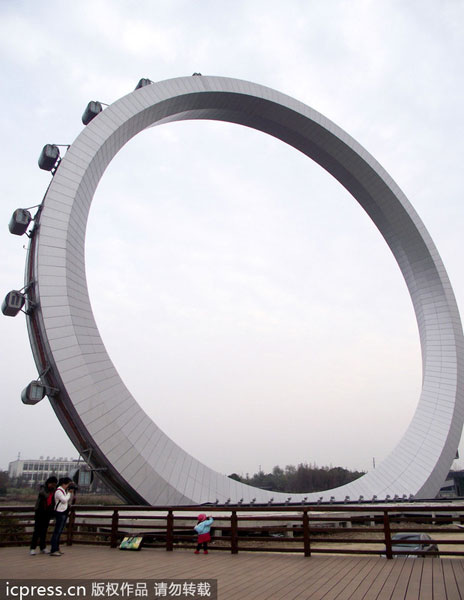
62	499
43	513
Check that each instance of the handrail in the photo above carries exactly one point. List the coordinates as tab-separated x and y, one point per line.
310	526
457	506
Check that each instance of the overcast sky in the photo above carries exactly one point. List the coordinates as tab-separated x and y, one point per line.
248	302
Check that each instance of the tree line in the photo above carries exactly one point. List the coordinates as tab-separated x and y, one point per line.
300	479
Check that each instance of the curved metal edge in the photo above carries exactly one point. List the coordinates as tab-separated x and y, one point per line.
265	125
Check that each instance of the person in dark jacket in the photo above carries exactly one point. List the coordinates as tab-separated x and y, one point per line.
43	513
203	528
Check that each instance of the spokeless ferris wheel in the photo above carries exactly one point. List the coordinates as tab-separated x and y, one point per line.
105	423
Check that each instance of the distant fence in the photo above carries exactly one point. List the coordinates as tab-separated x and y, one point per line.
306	529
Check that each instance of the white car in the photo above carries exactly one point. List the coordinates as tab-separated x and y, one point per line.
413	542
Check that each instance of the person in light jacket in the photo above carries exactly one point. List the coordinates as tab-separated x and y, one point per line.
203	528
62	499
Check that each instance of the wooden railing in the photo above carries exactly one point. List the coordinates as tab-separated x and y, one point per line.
307	529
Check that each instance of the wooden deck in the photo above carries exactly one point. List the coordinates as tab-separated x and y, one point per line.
253	576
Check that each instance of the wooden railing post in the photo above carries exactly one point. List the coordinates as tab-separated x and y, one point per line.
114	529
306	536
387	534
71	521
234	532
170	531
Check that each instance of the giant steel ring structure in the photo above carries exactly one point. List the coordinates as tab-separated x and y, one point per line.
103	420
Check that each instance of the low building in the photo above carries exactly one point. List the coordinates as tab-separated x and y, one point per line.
35	471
